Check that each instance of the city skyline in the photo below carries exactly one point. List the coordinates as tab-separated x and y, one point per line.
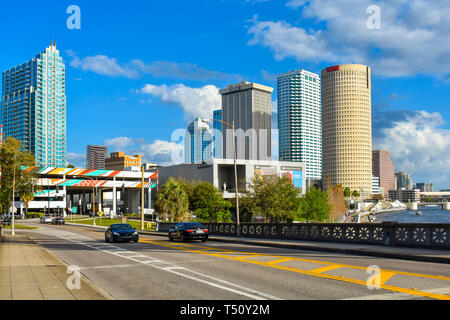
104	81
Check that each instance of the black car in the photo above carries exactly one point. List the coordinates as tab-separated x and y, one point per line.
6	221
121	232
58	220
189	231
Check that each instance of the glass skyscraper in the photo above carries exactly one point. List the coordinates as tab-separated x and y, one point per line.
198	142
33	108
299	120
217	134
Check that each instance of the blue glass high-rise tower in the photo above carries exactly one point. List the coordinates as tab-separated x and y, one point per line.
217	134
33	108
198	142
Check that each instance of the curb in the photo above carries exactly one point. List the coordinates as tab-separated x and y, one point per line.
359	252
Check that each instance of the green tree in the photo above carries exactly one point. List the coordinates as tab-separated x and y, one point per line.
208	204
13	162
355	194
314	206
347	192
188	187
26	192
172	200
275	198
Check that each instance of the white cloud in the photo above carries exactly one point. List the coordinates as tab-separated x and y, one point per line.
122	143
103	65
195	102
160	152
287	41
414	37
109	66
419	146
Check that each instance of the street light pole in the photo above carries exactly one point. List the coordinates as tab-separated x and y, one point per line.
93	202
13	231
142	198
238	231
93	198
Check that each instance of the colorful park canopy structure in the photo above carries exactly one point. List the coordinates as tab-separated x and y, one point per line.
68	187
71	177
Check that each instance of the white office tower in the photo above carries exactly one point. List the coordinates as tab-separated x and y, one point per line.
299	120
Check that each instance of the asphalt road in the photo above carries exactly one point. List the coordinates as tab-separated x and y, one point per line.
155	268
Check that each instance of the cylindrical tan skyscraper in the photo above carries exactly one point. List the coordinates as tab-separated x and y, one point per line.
347	127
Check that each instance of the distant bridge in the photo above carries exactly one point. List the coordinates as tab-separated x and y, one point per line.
415	205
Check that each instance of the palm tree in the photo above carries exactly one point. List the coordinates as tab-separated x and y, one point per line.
172	200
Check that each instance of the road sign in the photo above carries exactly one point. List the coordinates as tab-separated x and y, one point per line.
100	213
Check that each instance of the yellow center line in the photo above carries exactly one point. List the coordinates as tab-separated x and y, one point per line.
270	263
247	256
327	268
385	274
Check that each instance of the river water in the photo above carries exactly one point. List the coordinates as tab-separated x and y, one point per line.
429	215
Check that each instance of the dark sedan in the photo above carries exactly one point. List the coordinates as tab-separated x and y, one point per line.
121	232
58	220
189	231
6	221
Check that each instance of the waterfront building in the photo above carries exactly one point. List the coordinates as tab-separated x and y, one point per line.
403	181
383	168
121	161
33	106
347	127
217	134
424	187
95	156
198	142
249	106
299	120
404	195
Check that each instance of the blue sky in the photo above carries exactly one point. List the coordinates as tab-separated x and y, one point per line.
138	70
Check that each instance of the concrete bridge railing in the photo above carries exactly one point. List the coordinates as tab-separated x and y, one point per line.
387	233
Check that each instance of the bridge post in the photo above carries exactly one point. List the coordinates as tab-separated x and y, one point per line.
389	227
412	205
446	206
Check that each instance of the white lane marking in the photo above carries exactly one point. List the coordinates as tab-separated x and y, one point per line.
111	266
173	268
244	291
400	296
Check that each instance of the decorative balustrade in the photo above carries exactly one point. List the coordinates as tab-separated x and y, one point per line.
387	233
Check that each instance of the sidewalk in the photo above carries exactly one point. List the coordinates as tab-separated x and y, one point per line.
414	254
29	272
